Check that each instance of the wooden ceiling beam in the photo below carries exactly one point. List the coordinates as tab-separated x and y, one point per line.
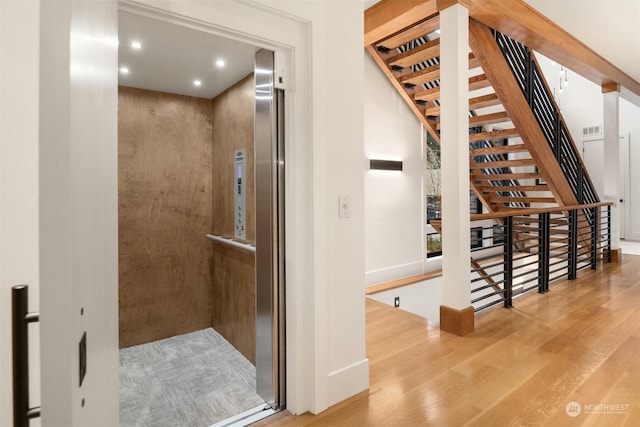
516	19
388	17
521	22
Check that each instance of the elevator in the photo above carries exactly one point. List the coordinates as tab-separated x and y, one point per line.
201	235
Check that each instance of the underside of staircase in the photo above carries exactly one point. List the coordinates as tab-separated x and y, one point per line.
511	165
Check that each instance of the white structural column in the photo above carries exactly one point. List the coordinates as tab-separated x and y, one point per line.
456	311
612	184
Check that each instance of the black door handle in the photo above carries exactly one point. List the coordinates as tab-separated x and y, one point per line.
22	413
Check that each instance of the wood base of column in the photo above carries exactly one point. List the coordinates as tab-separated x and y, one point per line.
616	255
457	322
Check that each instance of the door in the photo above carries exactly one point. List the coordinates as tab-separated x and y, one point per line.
19	62
269	170
78	219
625	157
593	153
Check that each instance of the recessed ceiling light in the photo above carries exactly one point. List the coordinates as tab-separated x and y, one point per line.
124	70
136	45
197	83
220	63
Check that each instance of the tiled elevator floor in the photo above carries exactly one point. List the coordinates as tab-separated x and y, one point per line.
190	380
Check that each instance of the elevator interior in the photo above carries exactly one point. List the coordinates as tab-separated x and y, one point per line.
186	170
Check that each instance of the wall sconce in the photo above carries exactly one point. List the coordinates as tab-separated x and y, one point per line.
385	165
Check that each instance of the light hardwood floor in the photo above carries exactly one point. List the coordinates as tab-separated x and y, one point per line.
578	343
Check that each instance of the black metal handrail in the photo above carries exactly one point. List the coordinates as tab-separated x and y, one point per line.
530	249
525	69
21	318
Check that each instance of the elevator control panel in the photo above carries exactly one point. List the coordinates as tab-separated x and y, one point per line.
240	197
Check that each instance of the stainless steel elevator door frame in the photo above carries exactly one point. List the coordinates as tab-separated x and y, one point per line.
269	203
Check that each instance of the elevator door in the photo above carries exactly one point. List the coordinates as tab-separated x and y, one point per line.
269	199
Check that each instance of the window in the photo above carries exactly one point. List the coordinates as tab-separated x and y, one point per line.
432	178
433	188
432	193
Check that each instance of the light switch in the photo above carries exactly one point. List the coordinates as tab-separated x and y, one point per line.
345	207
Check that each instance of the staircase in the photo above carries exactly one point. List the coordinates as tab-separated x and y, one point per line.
512	164
521	155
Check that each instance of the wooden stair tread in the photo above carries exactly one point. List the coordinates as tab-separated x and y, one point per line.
484	101
489	119
478	82
427	95
432	111
502	149
502	164
504	176
474	103
496	188
486	119
500	199
493	135
416	55
428	74
425	75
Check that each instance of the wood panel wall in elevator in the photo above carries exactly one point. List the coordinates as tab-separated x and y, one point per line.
233	270
165	198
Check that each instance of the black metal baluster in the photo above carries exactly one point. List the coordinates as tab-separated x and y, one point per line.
543	252
609	233
595	226
573	244
529	79
581	184
508	262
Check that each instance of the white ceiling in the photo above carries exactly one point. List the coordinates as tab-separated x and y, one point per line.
173	56
609	27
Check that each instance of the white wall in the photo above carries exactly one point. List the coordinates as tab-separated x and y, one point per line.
580	101
422	298
581	104
393	200
19	48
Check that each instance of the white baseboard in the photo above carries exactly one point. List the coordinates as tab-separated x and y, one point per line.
348	381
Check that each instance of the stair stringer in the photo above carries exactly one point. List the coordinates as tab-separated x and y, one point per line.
515	104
